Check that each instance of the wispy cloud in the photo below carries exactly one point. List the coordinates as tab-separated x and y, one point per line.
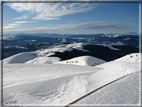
80	26
130	19
73	21
94	25
14	25
50	11
89	18
21	22
8	27
22	17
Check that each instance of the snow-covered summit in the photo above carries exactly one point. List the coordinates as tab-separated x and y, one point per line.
83	61
134	57
20	58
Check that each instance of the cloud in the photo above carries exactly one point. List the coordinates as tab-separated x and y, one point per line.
50	11
93	25
89	18
79	26
130	19
73	21
22	17
14	25
21	22
8	27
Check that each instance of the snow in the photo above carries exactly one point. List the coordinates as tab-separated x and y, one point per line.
20	58
80	38
26	56
18	47
60	49
42	56
21	73
60	83
69	47
109	36
116	35
42	60
31	83
52	50
111	95
118	43
134	57
78	46
83	61
64	40
108	45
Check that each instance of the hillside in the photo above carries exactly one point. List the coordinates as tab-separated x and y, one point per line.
61	84
63	52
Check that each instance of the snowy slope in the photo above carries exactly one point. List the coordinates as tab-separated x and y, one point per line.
124	92
60	84
83	60
40	83
20	58
43	60
131	58
78	46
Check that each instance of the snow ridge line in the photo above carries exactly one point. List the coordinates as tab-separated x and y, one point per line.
95	91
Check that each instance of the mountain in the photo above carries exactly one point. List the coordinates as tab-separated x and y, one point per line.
31	42
125	39
105	52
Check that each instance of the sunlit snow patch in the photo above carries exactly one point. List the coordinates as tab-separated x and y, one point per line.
83	60
108	45
20	58
42	60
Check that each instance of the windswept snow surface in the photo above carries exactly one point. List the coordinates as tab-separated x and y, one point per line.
60	84
83	60
43	83
43	60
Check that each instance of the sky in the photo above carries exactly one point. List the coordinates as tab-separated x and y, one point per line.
70	18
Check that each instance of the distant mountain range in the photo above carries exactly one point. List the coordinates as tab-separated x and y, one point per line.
99	51
126	43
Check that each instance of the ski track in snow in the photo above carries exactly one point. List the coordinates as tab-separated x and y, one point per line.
128	87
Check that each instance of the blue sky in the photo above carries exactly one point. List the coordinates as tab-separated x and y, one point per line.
71	18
